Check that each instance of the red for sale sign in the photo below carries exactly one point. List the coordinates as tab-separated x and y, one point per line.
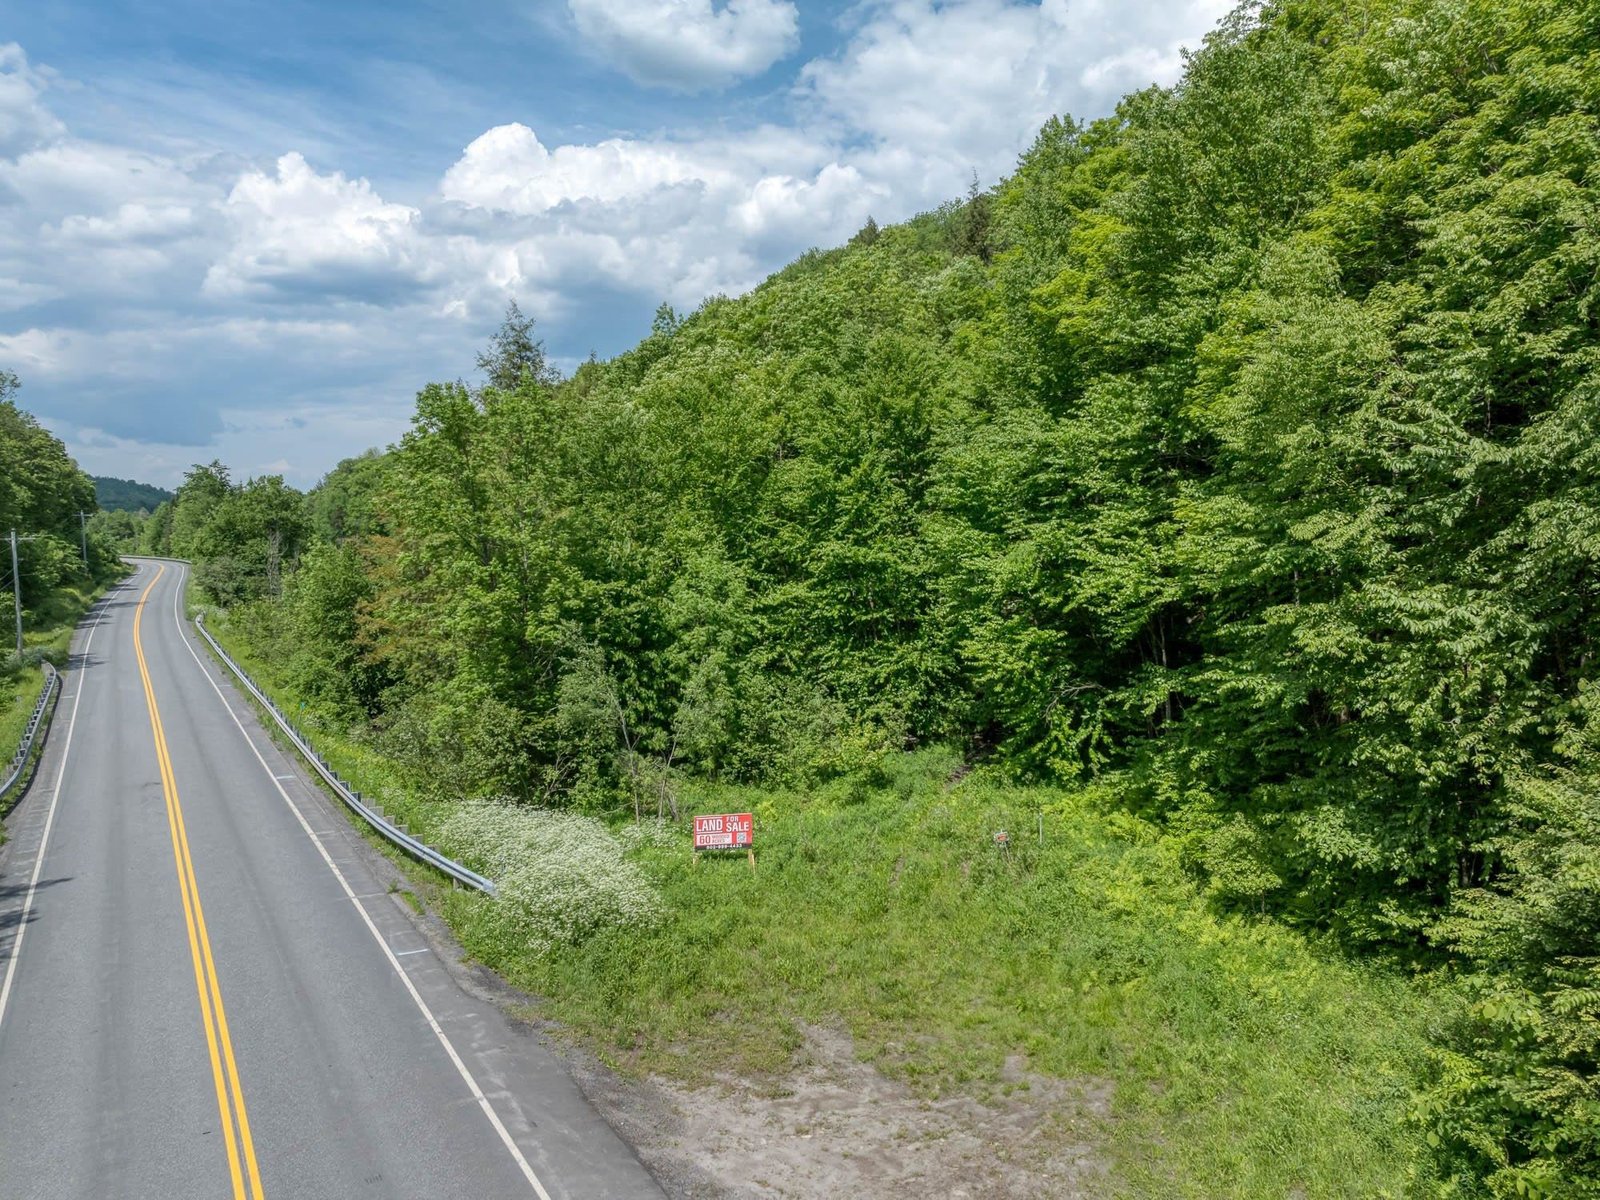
725	831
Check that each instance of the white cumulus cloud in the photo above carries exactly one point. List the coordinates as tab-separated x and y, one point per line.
938	90
297	232
24	120
673	218
691	45
508	168
72	176
36	351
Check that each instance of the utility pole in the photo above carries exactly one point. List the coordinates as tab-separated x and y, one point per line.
16	582
16	590
83	535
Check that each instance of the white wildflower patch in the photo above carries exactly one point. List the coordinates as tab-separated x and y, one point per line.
560	877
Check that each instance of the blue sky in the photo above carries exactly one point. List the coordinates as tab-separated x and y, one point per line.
252	231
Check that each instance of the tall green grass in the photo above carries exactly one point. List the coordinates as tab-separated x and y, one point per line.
19	692
1242	1063
48	622
46	633
1240	1060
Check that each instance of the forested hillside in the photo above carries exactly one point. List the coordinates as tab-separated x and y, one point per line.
1237	455
127	495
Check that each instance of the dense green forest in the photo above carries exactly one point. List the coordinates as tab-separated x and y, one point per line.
42	494
1236	456
127	495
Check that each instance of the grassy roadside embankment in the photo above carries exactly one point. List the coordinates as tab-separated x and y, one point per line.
1238	1061
46	631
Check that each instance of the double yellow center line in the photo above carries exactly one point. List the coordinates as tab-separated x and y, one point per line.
224	1070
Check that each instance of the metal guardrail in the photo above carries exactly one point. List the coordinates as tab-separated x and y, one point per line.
352	799
19	762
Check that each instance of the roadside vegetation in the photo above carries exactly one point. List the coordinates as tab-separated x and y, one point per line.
1234	1060
1225	1055
47	636
1222	484
42	491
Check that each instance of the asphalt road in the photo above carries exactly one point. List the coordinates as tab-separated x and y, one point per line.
206	989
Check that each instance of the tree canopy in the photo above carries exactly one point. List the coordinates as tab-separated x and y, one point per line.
1236	454
42	491
127	495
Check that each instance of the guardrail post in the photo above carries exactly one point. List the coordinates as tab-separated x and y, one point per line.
19	760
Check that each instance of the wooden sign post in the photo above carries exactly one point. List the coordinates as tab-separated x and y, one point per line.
725	831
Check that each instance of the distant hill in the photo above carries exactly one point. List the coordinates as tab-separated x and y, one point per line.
127	495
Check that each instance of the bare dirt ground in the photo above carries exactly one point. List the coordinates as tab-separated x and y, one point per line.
837	1127
832	1127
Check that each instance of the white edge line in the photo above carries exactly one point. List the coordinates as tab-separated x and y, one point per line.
50	814
433	1023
